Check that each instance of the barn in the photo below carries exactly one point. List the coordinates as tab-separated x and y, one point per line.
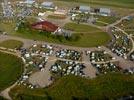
45	26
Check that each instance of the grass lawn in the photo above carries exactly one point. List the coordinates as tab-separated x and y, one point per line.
11	68
8	27
106	19
114	3
81	28
110	86
91	39
89	36
100	24
56	17
12	44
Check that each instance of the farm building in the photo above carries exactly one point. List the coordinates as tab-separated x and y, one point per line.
48	5
84	9
105	11
45	26
30	2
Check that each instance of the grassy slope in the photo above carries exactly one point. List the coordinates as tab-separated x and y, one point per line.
12	44
100	88
56	17
10	69
114	3
81	28
107	19
8	27
90	36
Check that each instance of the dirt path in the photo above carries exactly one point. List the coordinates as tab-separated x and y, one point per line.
42	78
5	93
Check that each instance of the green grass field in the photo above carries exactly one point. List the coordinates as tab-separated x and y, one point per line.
110	86
11	68
88	36
100	24
107	19
113	3
81	28
56	17
12	44
7	27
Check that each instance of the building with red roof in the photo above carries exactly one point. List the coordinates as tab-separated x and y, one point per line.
45	26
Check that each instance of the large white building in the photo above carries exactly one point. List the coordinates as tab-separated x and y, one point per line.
30	2
84	9
105	11
48	5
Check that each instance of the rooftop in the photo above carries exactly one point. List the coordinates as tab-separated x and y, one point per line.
29	1
47	3
84	8
45	25
105	10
